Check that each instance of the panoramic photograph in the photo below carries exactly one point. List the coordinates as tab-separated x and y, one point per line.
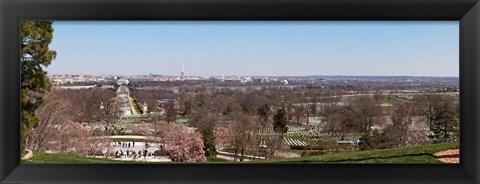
238	92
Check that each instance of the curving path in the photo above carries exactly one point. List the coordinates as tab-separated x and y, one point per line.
448	156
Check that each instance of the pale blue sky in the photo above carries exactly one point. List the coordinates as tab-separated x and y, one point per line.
256	48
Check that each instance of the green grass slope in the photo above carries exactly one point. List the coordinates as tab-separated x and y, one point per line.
411	155
49	158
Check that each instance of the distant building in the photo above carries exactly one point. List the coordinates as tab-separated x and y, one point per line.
68	80
264	80
246	80
122	82
232	79
123	90
57	82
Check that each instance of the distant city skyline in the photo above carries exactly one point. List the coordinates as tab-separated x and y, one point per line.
262	48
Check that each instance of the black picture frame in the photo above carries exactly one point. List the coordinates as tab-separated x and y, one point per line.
465	11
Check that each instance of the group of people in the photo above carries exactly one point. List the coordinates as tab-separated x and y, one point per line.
130	151
132	154
124	144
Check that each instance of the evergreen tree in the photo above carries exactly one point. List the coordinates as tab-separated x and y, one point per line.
445	122
263	113
280	121
35	55
208	141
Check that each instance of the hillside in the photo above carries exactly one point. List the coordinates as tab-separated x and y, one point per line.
50	158
420	154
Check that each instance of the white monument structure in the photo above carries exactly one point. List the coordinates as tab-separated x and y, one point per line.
122	82
182	73
145	108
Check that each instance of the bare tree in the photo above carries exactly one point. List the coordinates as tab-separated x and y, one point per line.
187	102
347	121
108	107
311	111
51	114
328	110
402	119
170	112
273	144
431	103
243	129
298	114
159	129
340	120
368	111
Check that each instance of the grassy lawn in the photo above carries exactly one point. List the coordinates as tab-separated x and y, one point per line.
420	154
69	159
49	158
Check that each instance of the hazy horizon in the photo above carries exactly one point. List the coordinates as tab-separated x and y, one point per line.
84	74
262	48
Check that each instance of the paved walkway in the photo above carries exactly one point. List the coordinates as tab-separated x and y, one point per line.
285	154
448	156
139	146
230	156
142	159
127	137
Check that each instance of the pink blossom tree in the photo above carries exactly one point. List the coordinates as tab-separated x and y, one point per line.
143	129
73	138
57	132
223	137
182	144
